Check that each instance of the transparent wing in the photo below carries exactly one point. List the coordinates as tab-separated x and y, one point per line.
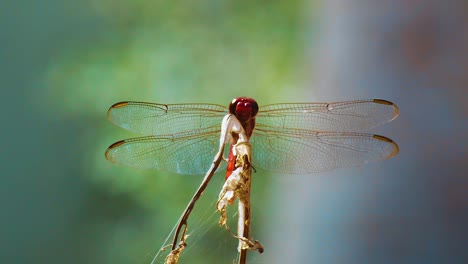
161	119
351	116
184	153
302	151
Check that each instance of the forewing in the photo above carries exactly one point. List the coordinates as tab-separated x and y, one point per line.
161	119
301	151
351	116
184	153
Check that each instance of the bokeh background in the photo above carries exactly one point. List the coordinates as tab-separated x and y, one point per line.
63	63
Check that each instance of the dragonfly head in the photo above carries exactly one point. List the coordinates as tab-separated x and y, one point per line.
243	108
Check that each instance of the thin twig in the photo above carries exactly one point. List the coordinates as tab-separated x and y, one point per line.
244	221
183	220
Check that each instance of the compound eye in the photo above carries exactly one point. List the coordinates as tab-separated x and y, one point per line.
254	107
243	108
233	105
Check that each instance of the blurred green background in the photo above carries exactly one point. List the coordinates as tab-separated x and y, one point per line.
65	62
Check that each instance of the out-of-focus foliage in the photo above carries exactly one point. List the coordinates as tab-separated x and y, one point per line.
179	51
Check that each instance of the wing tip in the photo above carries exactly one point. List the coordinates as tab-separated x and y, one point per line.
115	106
107	154
120	104
382	101
396	110
116	144
395	150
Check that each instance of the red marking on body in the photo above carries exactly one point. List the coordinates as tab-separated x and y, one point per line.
244	109
231	163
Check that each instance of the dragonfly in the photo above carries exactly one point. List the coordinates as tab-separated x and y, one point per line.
290	138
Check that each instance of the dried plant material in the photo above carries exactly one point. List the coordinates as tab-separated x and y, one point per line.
252	245
173	257
238	186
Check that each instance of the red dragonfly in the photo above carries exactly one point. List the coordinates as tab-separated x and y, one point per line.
289	138
286	138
